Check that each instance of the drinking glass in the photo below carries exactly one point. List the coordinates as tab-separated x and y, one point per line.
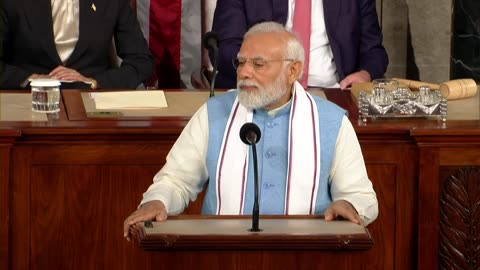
45	95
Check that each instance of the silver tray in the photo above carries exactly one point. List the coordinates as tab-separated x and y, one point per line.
402	103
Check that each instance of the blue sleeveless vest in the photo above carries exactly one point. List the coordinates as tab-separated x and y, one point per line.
272	152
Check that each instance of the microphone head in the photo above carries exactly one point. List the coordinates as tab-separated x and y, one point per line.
250	133
211	40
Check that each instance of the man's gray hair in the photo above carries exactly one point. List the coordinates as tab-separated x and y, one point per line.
294	49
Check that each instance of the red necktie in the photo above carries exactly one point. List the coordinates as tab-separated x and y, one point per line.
302	25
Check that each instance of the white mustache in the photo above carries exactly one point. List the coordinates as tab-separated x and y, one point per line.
243	83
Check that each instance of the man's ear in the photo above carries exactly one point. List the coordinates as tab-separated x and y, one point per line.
294	70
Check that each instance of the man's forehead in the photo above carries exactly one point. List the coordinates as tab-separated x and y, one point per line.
261	45
266	37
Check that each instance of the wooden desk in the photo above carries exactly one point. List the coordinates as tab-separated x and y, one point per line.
68	183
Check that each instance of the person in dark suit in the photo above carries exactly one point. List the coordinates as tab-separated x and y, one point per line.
71	40
346	30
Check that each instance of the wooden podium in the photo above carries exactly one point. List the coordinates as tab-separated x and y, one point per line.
285	242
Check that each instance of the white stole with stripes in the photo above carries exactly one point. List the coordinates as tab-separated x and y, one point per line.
303	158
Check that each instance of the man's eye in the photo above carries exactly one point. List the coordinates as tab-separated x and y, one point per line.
259	64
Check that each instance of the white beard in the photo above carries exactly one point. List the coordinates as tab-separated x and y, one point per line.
265	95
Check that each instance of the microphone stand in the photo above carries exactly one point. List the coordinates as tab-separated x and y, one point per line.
250	134
214	75
256	208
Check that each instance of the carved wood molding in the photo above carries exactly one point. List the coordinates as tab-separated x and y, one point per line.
459	243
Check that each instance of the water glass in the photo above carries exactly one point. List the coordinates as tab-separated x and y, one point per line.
45	95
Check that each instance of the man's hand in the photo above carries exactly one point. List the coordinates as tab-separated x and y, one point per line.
361	76
343	209
153	210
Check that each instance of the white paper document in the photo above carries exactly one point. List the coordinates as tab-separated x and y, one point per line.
129	100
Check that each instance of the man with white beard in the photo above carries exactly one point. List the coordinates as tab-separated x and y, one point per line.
310	159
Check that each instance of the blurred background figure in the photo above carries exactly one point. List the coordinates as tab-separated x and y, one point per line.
74	41
344	45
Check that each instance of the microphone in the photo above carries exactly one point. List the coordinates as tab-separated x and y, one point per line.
211	42
250	134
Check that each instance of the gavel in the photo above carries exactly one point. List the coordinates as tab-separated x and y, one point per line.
454	89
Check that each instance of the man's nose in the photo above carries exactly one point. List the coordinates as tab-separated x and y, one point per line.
245	71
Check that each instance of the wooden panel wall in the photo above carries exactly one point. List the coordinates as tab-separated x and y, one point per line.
449	197
69	203
7	140
391	169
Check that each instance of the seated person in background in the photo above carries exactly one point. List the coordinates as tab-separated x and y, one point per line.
345	41
310	159
71	40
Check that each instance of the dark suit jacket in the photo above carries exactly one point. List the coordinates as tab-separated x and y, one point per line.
28	44
352	28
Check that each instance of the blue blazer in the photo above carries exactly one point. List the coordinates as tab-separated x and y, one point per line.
352	28
28	45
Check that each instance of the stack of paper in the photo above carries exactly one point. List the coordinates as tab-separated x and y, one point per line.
129	100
